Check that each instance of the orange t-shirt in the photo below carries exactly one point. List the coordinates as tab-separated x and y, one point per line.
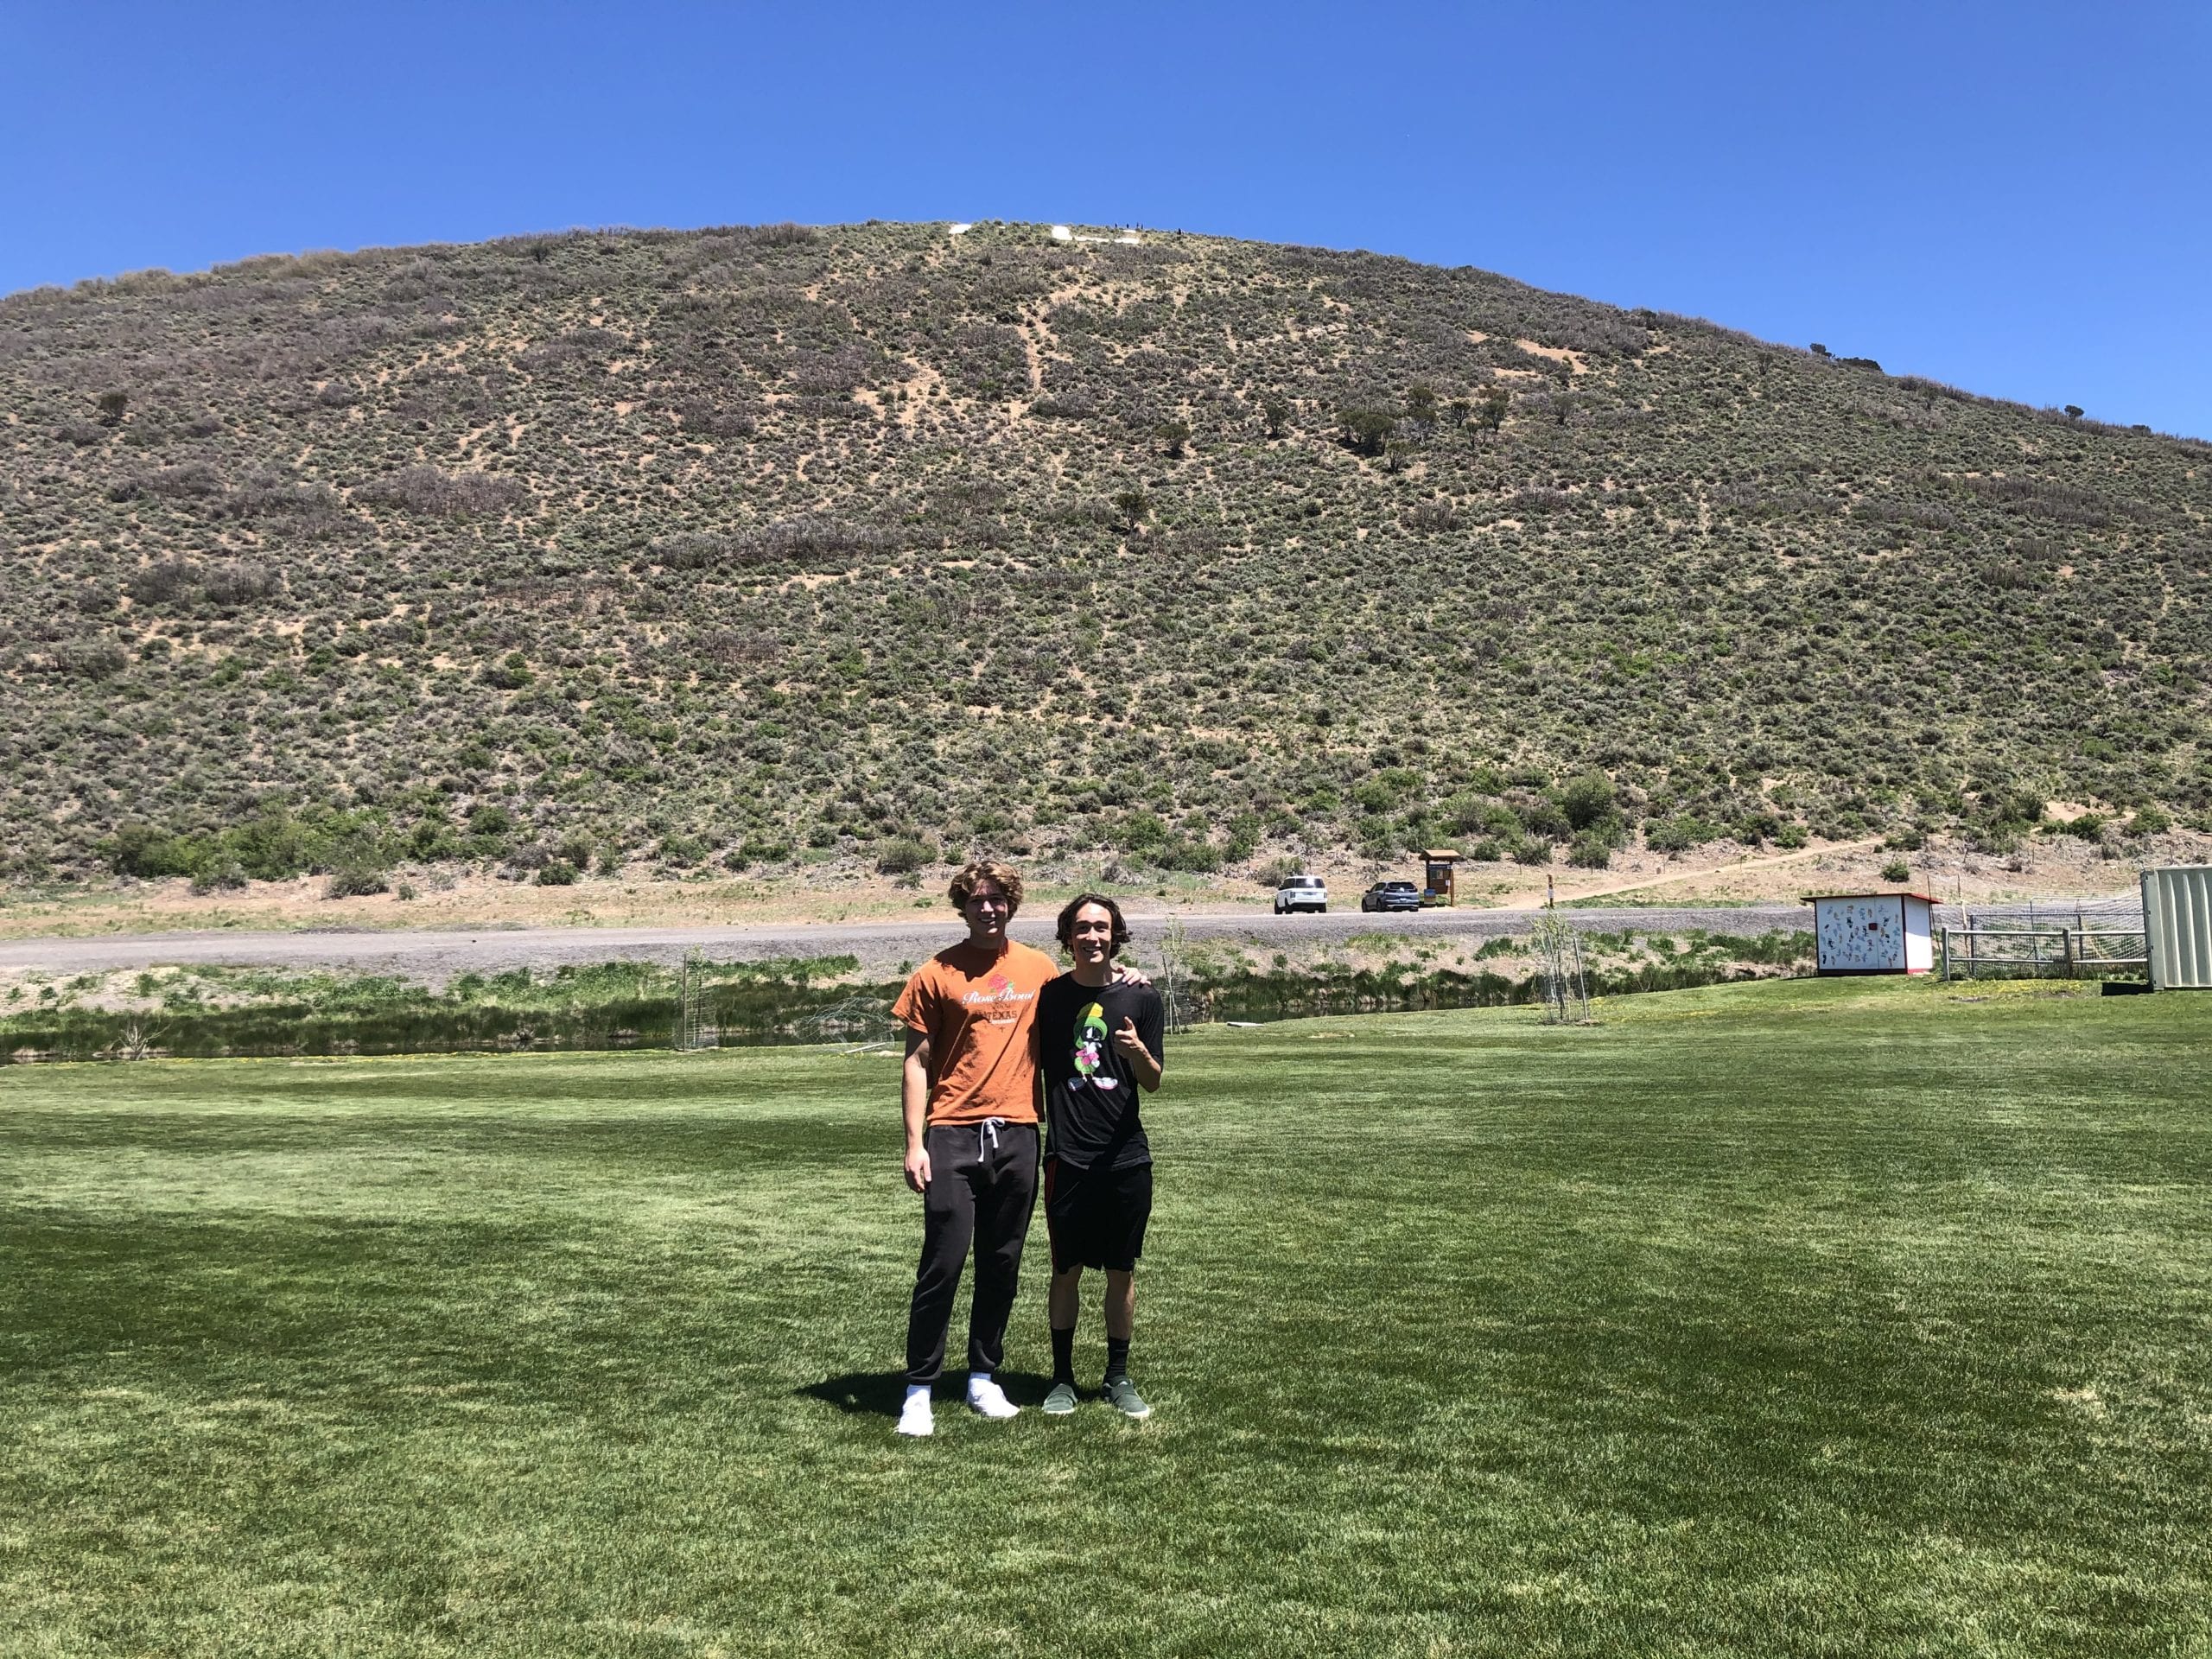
979	1011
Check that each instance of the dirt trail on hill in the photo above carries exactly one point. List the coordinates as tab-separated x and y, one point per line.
1641	883
884	948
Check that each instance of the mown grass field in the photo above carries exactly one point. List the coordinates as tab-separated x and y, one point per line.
1789	1319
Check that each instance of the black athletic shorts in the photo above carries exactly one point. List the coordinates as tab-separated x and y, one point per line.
1097	1217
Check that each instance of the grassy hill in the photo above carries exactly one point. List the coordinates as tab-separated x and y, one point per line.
754	545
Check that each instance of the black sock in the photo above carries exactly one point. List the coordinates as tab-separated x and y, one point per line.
1063	1355
1117	1357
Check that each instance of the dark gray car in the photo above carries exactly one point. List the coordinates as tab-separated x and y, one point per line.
1391	895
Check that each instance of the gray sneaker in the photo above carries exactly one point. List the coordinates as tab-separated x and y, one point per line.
1122	1395
1061	1401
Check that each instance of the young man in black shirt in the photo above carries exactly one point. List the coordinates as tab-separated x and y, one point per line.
1098	1046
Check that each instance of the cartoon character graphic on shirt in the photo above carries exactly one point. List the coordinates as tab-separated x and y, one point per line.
1090	1044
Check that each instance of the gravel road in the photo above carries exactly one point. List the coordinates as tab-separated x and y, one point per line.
882	947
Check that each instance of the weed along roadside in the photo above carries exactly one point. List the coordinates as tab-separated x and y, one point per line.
209	1013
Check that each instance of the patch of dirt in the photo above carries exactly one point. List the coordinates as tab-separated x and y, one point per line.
1557	354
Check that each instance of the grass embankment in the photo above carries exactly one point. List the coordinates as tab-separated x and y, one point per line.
213	1011
1793	1318
205	1012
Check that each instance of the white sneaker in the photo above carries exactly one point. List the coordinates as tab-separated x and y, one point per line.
914	1416
986	1399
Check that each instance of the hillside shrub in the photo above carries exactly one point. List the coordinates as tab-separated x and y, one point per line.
1143	832
1543	817
354	881
904	854
1679	833
1185	853
1591	851
427	490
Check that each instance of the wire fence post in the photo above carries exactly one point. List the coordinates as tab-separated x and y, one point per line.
690	998
1174	959
1561	984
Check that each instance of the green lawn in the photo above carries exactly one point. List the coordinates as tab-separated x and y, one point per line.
1788	1319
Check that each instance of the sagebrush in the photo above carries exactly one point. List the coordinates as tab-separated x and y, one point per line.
744	546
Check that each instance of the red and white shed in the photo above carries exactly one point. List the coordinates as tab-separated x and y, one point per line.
1873	932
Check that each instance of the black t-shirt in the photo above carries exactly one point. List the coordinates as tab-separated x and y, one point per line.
1090	1091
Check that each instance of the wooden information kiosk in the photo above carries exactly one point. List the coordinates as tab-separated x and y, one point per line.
1439	887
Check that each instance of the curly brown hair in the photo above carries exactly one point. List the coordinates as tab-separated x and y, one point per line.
1006	878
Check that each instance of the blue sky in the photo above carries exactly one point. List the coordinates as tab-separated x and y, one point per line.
2013	199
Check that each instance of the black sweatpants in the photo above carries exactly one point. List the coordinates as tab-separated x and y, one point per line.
982	1187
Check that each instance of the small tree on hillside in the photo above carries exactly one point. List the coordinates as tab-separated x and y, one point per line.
1367	431
1172	434
1589	801
1420	404
1133	505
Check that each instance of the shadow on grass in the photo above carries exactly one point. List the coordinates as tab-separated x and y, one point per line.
879	1394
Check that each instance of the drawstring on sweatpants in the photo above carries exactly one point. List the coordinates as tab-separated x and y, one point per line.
988	1130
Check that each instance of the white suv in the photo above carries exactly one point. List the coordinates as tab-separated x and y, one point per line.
1302	893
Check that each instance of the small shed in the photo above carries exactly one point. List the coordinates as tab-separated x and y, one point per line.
2178	926
1873	932
1438	886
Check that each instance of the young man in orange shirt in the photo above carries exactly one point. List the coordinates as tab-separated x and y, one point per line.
969	1097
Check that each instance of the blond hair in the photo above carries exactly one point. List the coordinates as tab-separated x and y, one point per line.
1004	876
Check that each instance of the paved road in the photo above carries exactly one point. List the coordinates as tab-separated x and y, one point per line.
882	947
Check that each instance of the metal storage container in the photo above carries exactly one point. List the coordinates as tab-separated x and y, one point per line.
2178	926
